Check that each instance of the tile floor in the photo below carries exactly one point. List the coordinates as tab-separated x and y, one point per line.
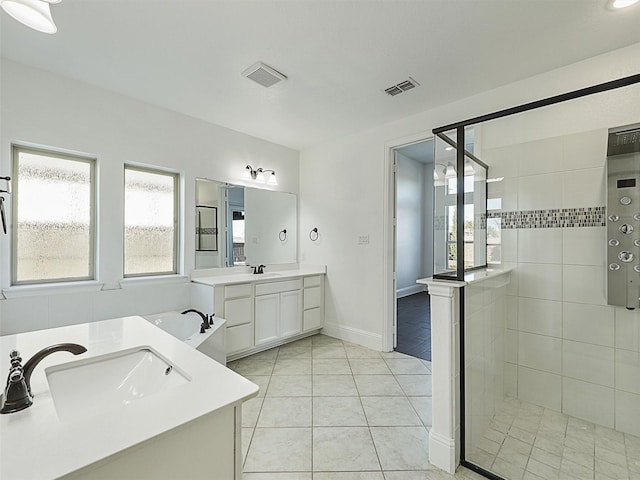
414	325
331	410
527	442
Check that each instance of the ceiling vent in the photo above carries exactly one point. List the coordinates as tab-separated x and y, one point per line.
264	74
401	87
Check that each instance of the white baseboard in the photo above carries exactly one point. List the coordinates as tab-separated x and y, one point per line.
353	335
413	289
442	452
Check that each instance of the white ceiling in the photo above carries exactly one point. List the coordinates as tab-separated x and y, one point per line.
339	55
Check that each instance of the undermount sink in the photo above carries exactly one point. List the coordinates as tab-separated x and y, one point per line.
267	275
89	387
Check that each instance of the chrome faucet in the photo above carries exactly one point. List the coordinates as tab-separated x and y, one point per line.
207	320
258	269
17	394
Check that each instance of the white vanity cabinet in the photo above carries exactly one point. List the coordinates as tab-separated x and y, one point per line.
312	316
264	312
278	310
237	308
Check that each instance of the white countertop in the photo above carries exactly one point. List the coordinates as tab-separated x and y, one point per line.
37	445
470	278
270	275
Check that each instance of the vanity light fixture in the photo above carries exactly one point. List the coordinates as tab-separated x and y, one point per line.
618	4
259	175
34	14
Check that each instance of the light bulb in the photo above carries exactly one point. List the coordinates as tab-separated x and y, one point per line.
623	3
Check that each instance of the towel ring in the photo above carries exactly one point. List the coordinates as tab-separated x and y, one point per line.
283	235
313	234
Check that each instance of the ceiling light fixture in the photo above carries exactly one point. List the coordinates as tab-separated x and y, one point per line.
618	4
34	14
259	175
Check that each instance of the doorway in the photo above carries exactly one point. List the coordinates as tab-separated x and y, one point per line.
413	166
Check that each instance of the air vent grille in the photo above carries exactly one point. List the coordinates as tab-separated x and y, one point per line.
264	74
401	87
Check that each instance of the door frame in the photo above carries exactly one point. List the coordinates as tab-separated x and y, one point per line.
389	330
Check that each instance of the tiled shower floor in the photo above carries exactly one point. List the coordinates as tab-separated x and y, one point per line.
527	442
331	410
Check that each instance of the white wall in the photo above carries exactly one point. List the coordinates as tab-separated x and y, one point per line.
411	211
52	111
344	186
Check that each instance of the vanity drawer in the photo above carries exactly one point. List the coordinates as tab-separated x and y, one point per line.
311	319
312	281
277	287
235	291
239	338
311	297
238	311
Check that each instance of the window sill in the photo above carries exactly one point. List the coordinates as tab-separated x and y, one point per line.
20	291
153	280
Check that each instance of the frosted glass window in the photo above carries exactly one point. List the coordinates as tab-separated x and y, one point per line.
53	236
150	222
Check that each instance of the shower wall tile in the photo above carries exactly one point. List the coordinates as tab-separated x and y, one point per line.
511	346
540	281
509	244
588	401
543	317
627	329
511	380
540	388
540	245
583	188
628	371
540	192
591	363
584	246
583	284
542	156
627	415
502	161
540	352
593	324
584	150
506	190
512	312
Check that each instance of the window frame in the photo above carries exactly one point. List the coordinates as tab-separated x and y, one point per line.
92	161
176	219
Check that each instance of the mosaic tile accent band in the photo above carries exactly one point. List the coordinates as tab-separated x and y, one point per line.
554	218
206	231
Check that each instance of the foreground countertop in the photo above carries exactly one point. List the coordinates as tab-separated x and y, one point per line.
37	445
475	276
270	275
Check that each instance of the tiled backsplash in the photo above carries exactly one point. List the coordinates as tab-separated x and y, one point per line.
552	218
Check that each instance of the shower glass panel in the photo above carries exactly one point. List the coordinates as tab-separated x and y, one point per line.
452	209
551	370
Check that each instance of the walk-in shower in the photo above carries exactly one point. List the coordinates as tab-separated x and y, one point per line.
550	361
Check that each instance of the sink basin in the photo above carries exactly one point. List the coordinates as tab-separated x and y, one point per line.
89	387
266	275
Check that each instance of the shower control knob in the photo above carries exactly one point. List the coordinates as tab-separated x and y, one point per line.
613	242
626	228
625	200
636	242
613	218
637	217
637	268
625	256
614	266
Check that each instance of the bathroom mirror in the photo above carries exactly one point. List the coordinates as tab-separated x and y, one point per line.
237	225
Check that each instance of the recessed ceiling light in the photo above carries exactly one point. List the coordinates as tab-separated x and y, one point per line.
623	3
